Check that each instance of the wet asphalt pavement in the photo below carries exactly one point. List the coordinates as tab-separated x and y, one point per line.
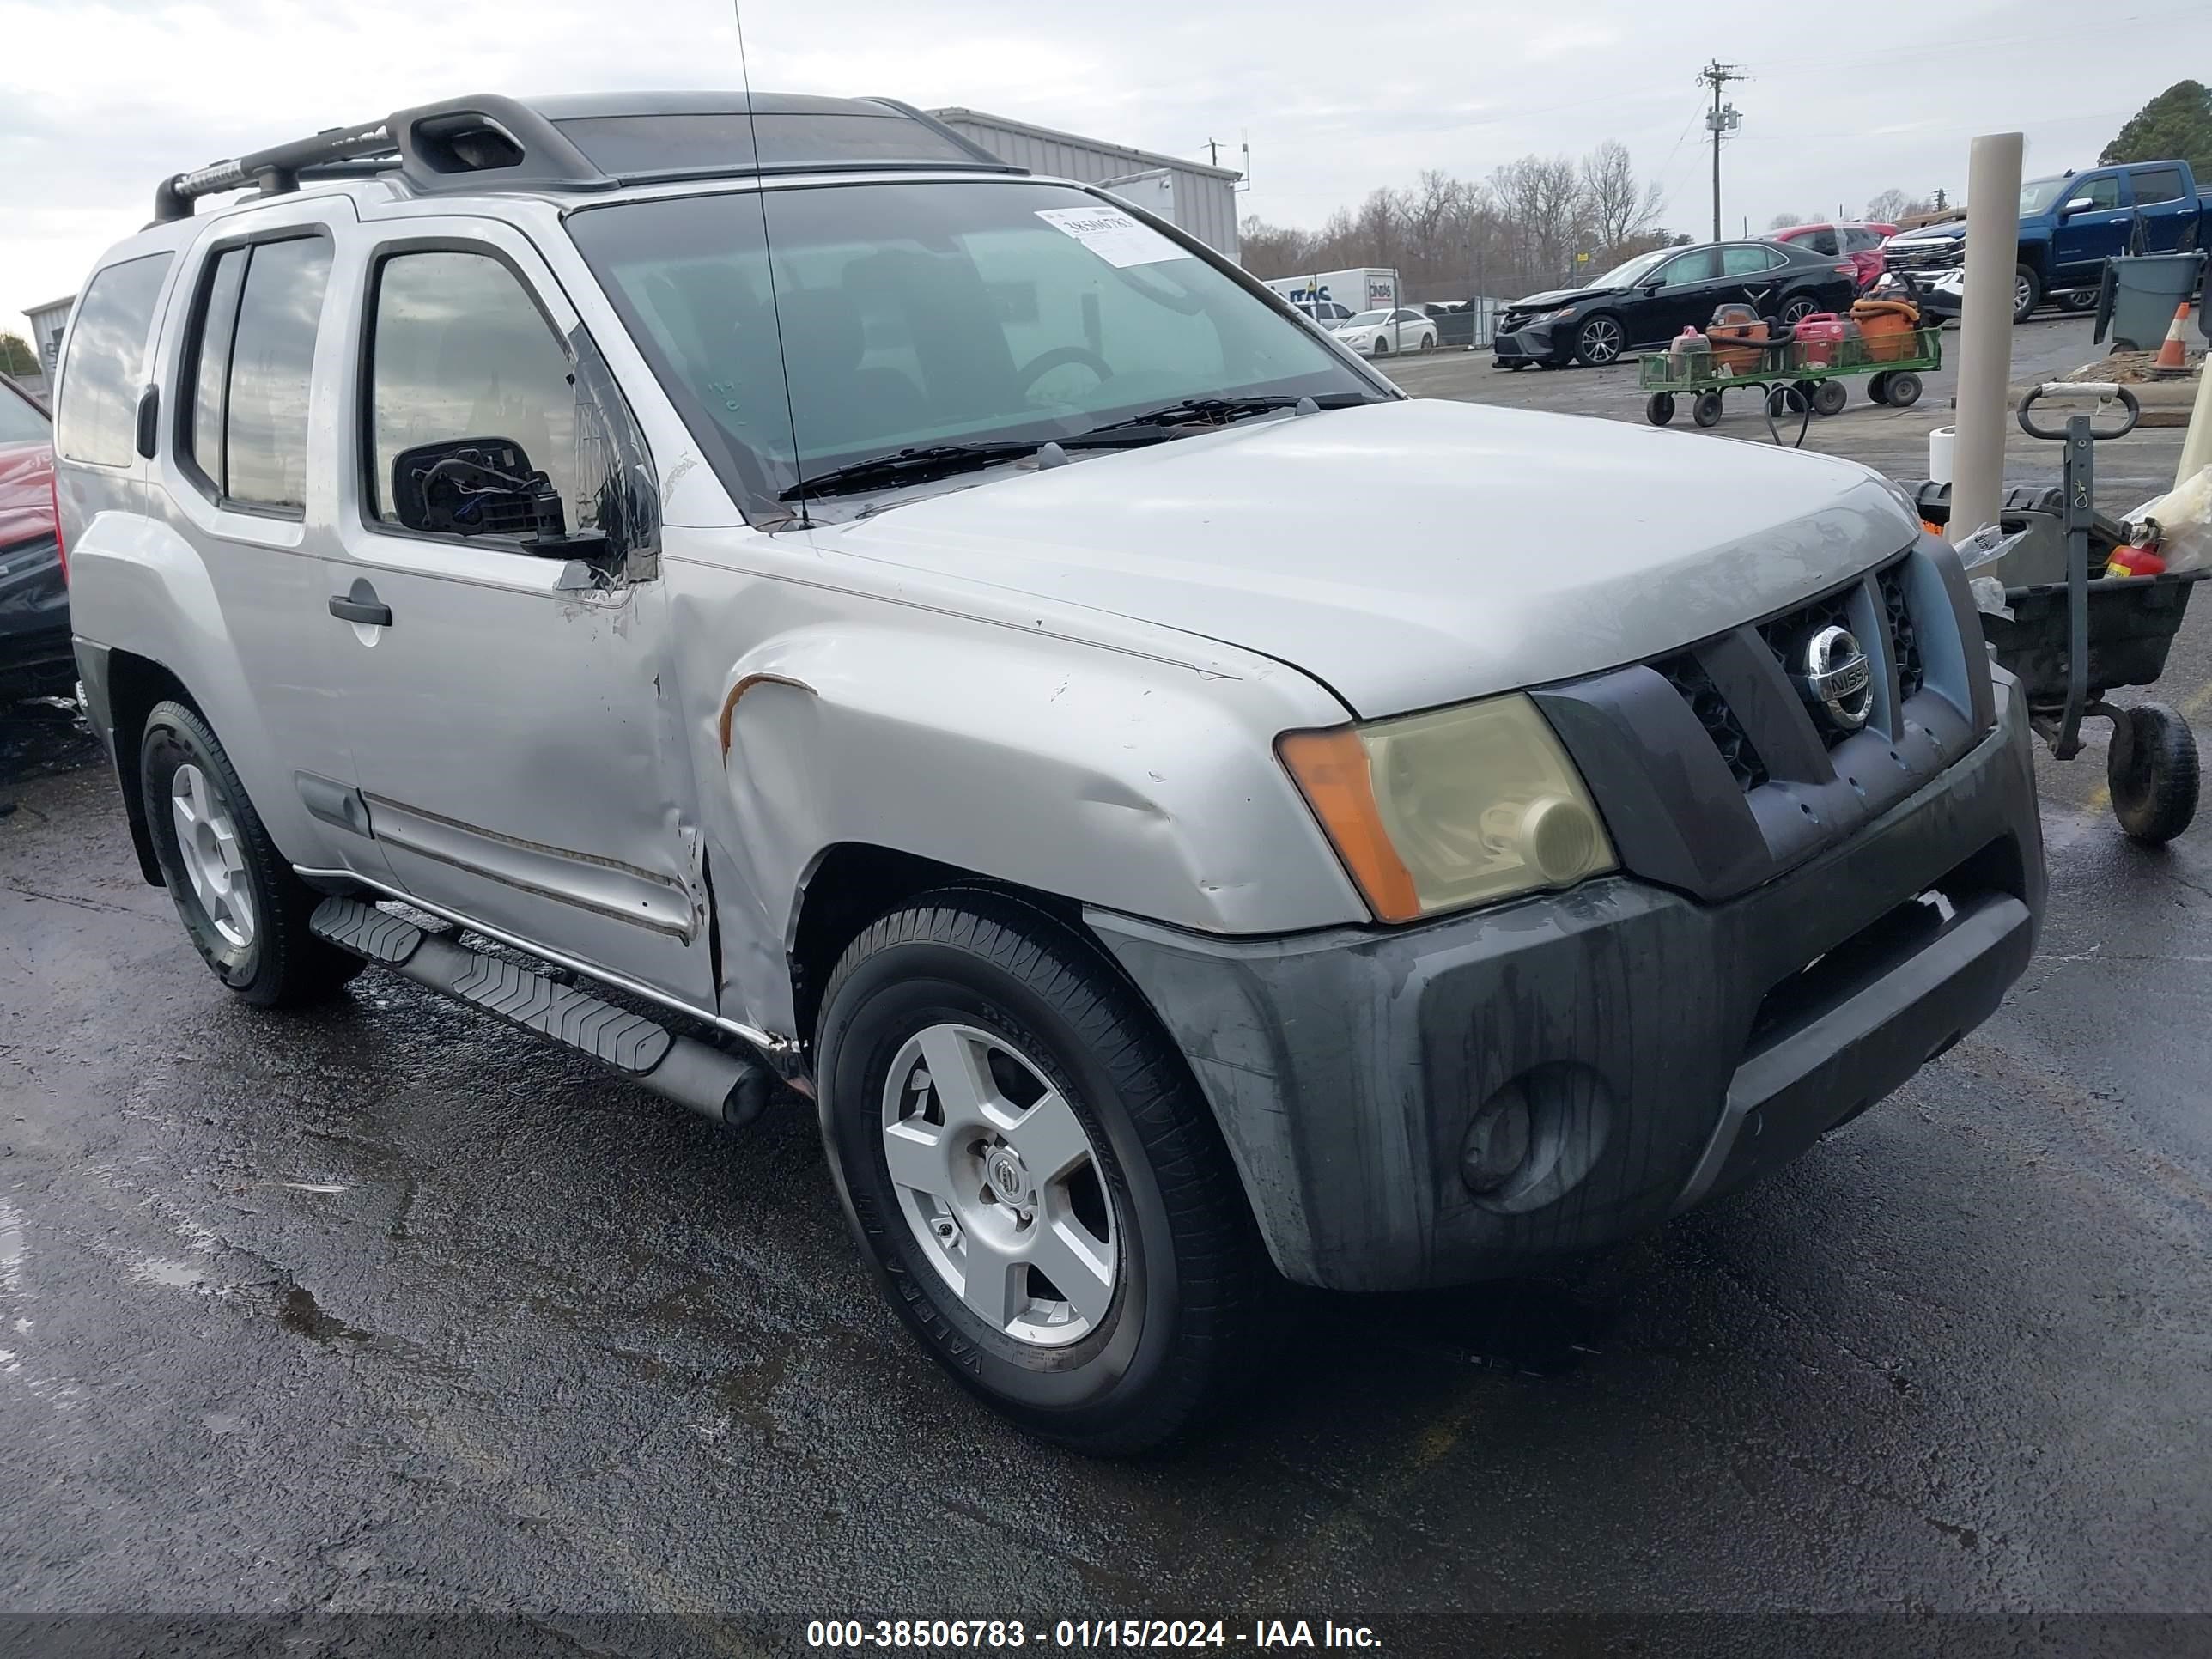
388	1308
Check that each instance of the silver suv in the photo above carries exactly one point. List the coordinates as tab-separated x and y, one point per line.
774	597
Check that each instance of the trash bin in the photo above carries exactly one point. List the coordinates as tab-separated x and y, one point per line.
2136	300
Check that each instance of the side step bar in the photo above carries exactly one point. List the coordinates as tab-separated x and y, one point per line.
726	1087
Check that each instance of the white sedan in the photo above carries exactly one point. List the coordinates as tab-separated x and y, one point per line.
1379	333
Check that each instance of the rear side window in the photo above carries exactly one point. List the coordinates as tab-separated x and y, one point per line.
105	371
271	341
1820	241
1748	261
461	350
2157	184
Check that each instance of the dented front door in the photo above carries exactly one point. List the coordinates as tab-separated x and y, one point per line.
514	734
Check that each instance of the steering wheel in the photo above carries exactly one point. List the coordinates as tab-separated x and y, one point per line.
1060	357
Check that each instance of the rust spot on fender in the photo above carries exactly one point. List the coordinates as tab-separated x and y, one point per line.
730	702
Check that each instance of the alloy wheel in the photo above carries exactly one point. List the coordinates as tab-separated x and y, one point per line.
1601	340
207	843
1001	1185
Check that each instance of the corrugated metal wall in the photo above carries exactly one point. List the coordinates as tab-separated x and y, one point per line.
1205	197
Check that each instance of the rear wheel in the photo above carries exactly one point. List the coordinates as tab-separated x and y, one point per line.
1878	386
1035	1180
1706	411
2152	771
1659	408
1831	397
1797	310
1903	390
239	900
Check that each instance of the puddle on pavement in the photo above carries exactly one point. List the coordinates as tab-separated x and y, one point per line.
1526	1327
297	1312
171	1275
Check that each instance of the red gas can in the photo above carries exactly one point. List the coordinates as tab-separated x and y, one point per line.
1818	337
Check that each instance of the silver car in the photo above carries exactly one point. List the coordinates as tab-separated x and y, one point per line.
776	598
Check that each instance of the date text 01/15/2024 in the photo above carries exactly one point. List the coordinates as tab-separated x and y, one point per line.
1085	1633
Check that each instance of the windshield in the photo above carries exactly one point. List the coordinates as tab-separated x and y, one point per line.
21	423
1634	272
2041	195
1367	317
924	314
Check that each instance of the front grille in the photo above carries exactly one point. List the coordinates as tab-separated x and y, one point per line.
1925	255
1912	675
1785	637
1688	677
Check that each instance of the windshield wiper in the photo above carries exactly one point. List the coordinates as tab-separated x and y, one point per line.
943	460
1220	411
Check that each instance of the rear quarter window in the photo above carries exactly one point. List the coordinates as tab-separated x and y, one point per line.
96	419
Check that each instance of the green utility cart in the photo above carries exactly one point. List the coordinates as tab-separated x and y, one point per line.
1791	375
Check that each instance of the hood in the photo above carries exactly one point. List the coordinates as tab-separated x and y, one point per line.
1558	297
1949	233
1415	552
27	501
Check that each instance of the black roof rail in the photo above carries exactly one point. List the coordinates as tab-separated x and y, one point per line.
593	143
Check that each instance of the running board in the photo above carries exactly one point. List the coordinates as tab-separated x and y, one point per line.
729	1088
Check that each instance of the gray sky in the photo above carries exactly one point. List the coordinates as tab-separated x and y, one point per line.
99	101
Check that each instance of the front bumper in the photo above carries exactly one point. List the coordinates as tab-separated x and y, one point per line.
1666	1050
1531	344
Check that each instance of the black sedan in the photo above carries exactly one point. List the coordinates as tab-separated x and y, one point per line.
1654	296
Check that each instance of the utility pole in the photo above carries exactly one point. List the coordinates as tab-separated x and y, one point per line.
1724	118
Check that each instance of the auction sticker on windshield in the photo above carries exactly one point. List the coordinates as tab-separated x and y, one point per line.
1112	235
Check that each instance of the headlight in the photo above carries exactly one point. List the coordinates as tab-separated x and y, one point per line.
1552	316
1457	807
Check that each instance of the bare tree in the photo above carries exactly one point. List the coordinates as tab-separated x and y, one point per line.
1620	211
1784	221
1894	206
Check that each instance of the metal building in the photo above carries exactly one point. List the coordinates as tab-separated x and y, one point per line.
1203	198
47	322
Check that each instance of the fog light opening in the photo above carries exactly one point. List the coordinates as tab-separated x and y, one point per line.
1497	1140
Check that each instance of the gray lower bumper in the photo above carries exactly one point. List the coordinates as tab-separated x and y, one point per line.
1666	1050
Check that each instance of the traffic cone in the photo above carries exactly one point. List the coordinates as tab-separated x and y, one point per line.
2174	356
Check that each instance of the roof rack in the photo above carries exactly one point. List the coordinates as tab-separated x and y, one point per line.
595	143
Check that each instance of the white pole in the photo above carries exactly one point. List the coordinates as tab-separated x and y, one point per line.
1985	330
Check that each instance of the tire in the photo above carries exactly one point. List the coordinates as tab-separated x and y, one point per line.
1599	340
1191	1304
1382	348
2152	772
2027	292
246	913
2078	300
1797	310
1426	342
1902	390
1831	397
1659	408
1878	386
1706	411
1788	399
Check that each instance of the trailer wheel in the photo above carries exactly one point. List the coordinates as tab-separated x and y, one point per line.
1903	390
1786	399
1659	408
1706	411
2152	769
1878	386
1830	397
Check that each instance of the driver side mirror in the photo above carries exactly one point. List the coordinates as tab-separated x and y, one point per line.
484	486
2079	204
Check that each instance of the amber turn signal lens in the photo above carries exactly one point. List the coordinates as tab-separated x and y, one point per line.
1331	768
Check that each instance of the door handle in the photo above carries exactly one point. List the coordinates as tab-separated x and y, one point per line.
361	605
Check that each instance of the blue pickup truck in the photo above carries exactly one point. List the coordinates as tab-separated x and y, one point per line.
2070	225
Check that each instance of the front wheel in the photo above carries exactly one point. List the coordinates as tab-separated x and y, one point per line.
1659	408
2027	292
2152	769
1599	341
1706	411
1033	1176
1902	390
237	898
1382	347
1831	397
